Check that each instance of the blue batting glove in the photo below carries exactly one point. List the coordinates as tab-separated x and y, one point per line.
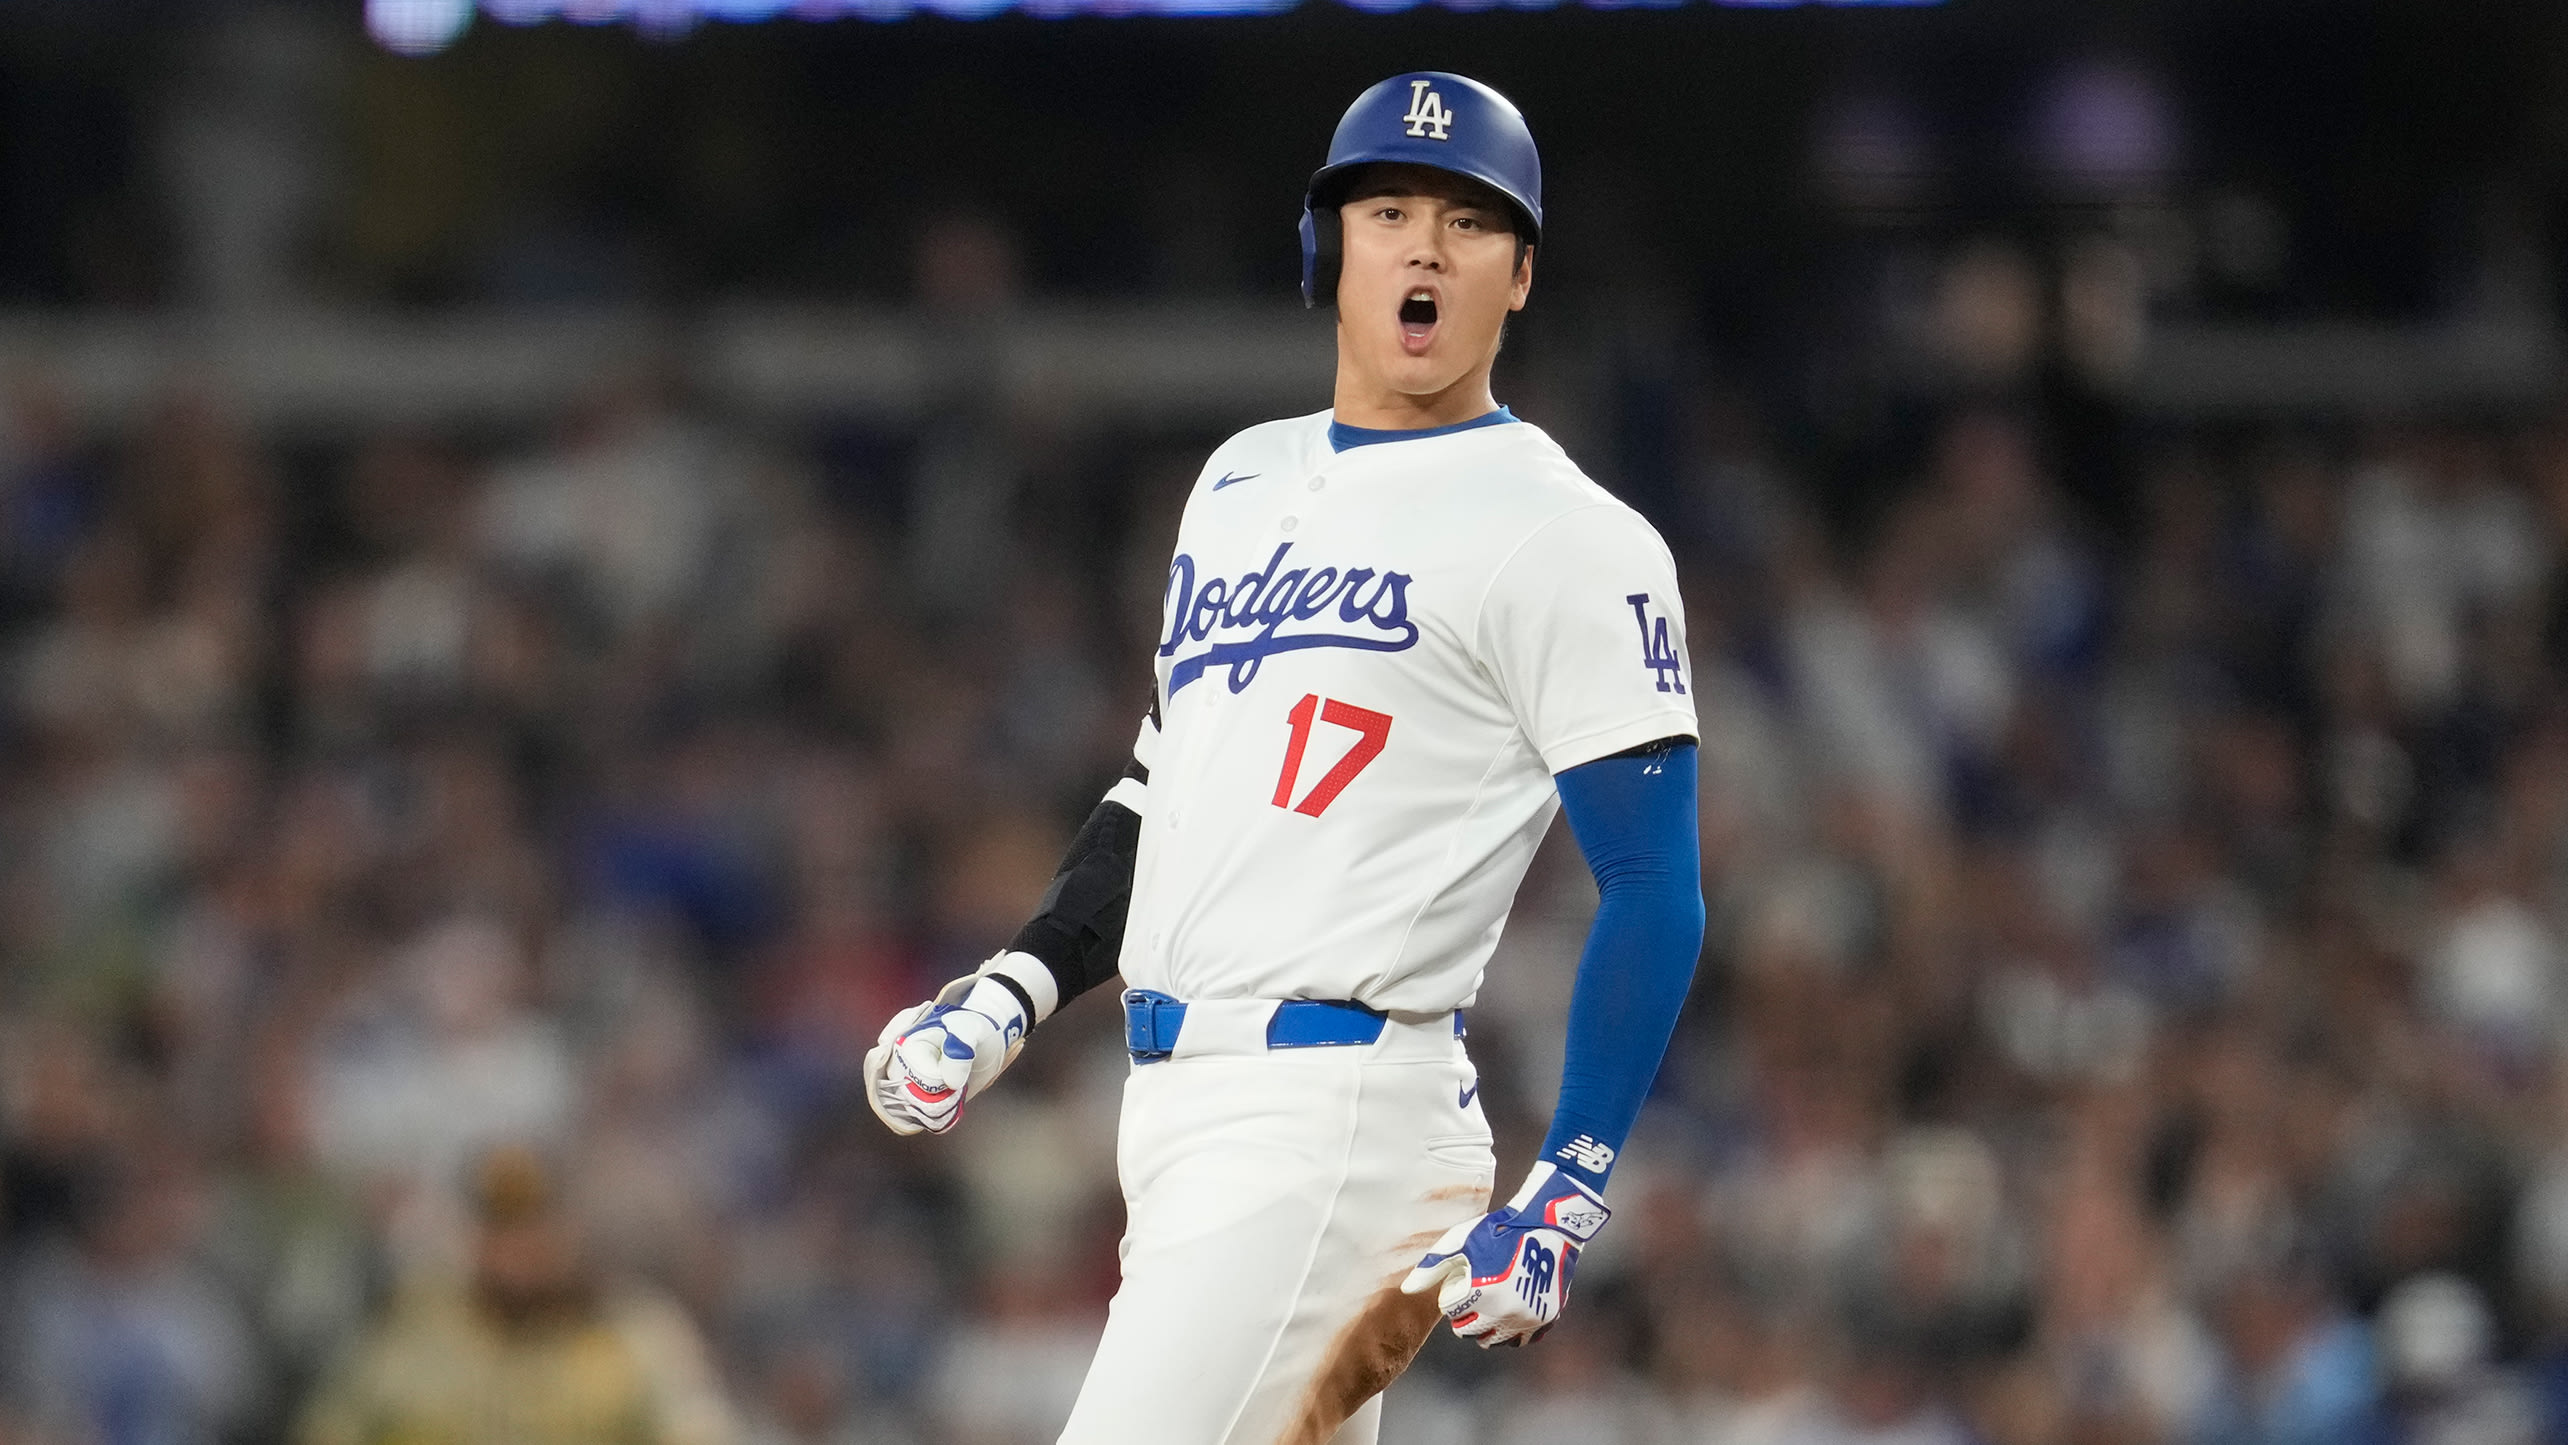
1502	1279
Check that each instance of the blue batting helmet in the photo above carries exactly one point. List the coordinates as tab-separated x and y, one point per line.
1425	118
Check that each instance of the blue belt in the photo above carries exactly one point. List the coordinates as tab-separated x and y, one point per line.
1152	1021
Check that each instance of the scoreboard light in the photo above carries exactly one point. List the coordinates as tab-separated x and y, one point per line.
425	27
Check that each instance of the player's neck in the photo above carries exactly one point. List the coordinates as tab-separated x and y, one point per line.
1370	402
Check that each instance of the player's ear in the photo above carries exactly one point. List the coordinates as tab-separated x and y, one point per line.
1523	285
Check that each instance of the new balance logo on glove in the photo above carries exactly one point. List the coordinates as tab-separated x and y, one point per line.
1534	1273
1502	1278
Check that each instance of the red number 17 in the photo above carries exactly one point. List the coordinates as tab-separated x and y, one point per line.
1374	729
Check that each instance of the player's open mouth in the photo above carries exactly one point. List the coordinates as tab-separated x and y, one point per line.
1417	320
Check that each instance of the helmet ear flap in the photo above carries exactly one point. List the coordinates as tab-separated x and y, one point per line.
1320	255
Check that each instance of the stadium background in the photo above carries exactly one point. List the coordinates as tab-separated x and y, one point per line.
550	582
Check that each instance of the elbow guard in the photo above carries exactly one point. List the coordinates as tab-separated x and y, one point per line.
1078	930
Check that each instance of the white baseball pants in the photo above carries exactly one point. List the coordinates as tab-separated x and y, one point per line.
1274	1199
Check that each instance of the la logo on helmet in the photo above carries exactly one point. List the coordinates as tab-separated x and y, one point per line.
1427	115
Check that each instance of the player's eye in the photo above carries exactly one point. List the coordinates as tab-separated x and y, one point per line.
1387	213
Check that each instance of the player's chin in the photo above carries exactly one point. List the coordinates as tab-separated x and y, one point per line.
1430	374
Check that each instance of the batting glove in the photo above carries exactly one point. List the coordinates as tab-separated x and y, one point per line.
1501	1279
933	1058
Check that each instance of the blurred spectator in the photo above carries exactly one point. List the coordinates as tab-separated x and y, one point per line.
2437	1335
49	493
635	516
532	1347
444	1063
2297	1369
117	1332
292	1245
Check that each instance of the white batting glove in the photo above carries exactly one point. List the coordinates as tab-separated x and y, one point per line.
932	1059
1502	1279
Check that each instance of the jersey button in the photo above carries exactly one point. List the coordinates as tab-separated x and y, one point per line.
1318	482
1289	523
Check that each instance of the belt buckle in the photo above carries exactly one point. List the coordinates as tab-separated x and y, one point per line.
1141	1025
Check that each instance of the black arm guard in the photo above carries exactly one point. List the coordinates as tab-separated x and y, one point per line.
1078	931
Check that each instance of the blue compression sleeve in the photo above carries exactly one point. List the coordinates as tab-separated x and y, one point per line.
1633	816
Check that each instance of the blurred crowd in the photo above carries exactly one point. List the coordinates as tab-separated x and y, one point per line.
448	883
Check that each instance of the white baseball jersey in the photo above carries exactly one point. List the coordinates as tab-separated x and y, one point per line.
1371	663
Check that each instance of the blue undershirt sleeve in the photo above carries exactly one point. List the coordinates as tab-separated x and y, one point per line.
1633	816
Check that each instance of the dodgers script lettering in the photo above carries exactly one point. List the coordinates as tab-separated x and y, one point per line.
1269	604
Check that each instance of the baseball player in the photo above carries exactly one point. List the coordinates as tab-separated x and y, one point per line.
1397	636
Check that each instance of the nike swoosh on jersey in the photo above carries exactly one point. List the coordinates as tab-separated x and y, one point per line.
1469	1092
1228	479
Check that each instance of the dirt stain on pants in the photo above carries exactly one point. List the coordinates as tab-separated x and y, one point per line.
1376	1345
1365	1358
